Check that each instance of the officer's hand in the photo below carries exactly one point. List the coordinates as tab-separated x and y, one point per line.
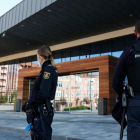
24	108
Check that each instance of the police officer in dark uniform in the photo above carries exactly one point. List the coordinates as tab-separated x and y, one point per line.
44	90
129	65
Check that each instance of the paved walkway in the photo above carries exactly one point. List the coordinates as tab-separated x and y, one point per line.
9	135
86	127
9	107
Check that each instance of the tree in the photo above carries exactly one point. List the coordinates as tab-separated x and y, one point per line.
77	99
86	100
63	101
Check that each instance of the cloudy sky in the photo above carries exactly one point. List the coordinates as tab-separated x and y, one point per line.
6	5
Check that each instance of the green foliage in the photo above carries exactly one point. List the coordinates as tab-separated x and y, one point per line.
62	99
13	97
77	108
3	99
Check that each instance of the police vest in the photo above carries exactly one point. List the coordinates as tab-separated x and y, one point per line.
133	72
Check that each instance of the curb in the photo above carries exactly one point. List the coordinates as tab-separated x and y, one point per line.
54	137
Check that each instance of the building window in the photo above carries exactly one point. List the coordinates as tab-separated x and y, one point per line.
78	86
105	47
91	88
2	80
94	49
66	86
78	78
90	94
78	93
59	84
66	55
92	80
1	86
59	93
3	68
72	78
75	53
117	54
84	51
3	74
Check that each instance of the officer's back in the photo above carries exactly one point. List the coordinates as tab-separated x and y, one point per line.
129	65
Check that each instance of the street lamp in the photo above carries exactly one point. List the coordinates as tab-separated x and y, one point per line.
90	96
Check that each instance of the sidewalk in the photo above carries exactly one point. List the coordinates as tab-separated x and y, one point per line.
86	127
7	107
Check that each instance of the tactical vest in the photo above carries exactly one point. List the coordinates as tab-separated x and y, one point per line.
133	72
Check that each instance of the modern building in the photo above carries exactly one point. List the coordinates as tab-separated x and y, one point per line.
9	77
85	36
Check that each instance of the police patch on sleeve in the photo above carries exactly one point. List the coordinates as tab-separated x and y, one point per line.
46	75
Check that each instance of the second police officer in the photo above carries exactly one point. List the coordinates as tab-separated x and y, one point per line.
129	65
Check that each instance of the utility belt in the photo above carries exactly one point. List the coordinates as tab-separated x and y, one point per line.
44	109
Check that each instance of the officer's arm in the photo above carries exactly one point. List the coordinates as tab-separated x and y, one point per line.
119	75
45	86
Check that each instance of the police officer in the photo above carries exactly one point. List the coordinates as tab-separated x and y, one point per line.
129	65
44	90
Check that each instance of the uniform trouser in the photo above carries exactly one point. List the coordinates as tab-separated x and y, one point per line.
133	122
47	123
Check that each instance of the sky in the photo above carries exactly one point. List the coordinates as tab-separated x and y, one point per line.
6	5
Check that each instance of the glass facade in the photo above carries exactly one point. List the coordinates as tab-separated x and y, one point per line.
113	47
77	92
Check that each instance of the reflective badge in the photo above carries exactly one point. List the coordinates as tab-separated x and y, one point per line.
46	75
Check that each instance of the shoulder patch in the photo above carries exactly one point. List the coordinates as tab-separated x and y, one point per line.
46	75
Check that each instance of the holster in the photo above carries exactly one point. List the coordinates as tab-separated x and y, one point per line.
30	113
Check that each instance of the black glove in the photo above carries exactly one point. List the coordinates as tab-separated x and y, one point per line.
24	108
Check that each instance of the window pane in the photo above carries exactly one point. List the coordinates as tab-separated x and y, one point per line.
57	60
84	51
57	56
129	40
117	54
117	44
65	55
108	53
106	47
75	53
94	49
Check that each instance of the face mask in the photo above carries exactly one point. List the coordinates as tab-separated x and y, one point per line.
39	64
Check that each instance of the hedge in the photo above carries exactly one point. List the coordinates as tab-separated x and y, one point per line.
77	108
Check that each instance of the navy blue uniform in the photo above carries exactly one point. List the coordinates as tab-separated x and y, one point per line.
124	64
44	88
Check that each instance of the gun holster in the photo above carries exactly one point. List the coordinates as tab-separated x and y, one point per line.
30	113
130	91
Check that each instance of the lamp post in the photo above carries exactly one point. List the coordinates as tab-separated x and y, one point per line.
90	96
